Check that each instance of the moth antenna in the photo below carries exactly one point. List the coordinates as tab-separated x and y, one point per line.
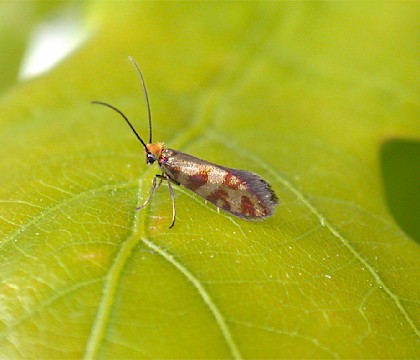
146	96
126	120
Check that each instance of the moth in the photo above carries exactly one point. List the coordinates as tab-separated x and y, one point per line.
238	192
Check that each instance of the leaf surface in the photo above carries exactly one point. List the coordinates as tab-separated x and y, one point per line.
302	94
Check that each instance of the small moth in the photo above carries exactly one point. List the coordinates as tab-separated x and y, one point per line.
239	192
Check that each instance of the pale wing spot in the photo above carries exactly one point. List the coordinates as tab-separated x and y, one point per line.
217	176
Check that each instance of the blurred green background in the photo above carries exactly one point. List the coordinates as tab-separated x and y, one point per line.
319	98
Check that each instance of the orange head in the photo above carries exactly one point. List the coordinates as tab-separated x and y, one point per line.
153	152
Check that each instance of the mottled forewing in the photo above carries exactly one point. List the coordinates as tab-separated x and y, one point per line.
239	192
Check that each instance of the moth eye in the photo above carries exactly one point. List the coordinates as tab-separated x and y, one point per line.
150	159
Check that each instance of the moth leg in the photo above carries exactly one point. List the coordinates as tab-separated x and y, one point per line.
171	192
152	190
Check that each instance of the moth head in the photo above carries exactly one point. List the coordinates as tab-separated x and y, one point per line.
153	152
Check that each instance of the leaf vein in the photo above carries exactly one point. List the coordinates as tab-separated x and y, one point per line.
220	320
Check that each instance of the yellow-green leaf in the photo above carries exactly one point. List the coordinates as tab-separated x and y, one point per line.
304	94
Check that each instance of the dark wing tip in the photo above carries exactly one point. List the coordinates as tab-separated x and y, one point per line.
261	188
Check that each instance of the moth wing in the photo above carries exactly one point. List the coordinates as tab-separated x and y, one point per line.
239	192
243	194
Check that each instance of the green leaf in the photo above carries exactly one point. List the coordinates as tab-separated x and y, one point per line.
304	94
